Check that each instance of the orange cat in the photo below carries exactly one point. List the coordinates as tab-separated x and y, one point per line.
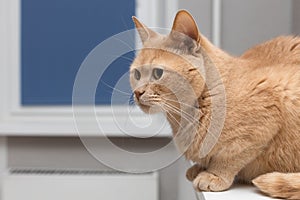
260	137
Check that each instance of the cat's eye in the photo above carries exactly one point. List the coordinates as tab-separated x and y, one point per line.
137	74
157	73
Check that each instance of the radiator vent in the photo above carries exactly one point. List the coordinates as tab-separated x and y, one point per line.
70	184
28	171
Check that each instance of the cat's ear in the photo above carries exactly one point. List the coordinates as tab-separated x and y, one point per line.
144	32
184	23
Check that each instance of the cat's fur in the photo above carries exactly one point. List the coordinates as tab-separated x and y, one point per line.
260	140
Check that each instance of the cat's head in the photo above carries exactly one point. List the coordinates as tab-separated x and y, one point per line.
167	70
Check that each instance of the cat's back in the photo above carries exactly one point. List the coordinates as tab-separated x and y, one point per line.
283	49
268	91
274	67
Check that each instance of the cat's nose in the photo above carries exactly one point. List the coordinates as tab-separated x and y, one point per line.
138	93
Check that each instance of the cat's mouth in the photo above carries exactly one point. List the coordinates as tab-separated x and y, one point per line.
149	105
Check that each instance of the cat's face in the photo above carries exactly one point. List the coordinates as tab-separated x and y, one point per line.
165	72
155	77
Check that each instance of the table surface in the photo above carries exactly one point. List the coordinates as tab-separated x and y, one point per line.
237	192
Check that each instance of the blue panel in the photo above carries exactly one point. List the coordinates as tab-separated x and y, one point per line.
56	37
115	72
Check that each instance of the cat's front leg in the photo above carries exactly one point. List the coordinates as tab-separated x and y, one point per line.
233	152
222	169
207	181
193	171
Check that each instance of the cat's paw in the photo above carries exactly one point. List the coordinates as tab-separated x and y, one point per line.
206	181
193	172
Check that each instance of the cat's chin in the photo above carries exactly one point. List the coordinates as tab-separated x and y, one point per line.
150	109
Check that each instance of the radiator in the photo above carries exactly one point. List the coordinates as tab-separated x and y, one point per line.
41	184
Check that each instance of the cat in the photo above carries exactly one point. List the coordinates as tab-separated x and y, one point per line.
259	141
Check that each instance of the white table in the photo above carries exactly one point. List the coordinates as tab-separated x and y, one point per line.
237	192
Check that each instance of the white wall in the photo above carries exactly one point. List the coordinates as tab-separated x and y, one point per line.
201	11
244	22
296	17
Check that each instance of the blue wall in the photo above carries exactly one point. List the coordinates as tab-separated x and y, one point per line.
57	35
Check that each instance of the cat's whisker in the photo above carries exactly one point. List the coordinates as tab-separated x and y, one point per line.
180	103
181	113
115	89
193	120
196	123
196	126
177	136
178	123
178	110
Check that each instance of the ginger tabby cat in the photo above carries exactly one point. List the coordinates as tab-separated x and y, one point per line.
260	139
